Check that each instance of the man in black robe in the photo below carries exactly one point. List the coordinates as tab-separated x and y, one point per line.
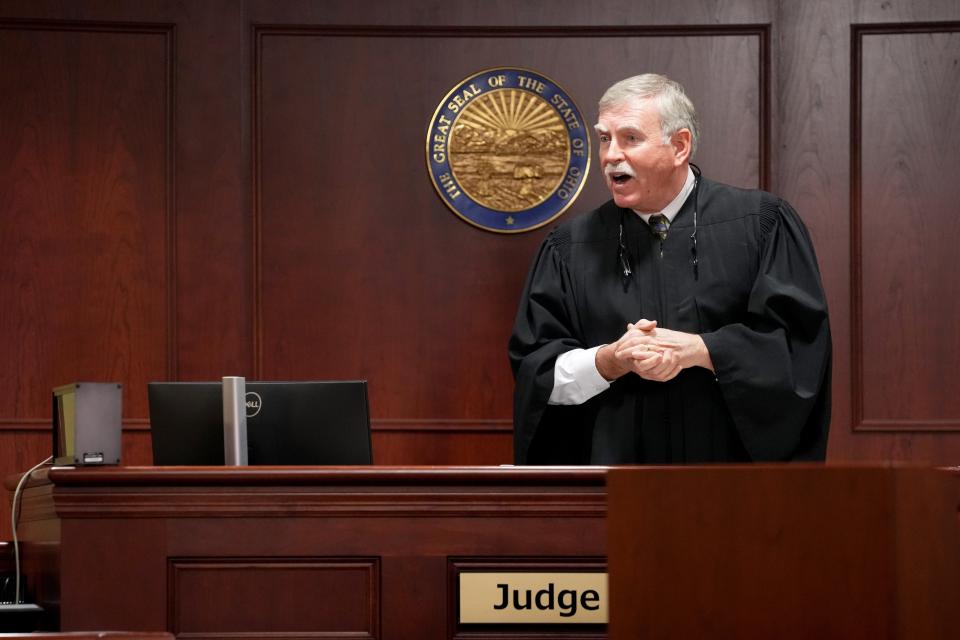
682	322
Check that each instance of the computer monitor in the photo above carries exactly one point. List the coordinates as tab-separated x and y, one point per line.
288	423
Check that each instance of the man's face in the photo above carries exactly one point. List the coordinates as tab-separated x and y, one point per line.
640	169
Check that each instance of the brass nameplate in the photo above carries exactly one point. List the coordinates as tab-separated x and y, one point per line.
537	598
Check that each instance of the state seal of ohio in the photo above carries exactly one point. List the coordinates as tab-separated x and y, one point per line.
508	150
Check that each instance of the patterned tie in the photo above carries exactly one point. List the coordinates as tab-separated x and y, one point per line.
659	225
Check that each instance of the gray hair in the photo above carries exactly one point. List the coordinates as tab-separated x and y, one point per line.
676	110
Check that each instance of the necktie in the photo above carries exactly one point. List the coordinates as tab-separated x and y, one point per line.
658	225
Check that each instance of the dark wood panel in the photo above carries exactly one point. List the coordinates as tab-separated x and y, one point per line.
788	552
136	127
905	227
362	270
331	598
813	167
439	447
535	14
94	573
214	231
86	189
76	147
209	276
819	173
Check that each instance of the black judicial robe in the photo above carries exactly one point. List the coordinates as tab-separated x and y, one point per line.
756	300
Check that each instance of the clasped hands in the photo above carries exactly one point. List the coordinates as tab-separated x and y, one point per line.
651	352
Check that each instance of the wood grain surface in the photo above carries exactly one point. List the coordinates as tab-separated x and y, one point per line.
197	189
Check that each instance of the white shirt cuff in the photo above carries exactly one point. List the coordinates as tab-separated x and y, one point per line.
575	377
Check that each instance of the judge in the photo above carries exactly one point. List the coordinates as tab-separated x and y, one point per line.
683	321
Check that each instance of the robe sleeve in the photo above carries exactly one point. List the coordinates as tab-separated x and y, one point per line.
545	327
774	368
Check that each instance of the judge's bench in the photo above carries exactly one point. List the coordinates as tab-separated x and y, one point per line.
384	552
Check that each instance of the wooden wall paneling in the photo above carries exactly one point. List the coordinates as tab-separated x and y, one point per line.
215	301
86	195
831	54
812	166
361	270
137	447
204	168
446	443
904	226
813	161
206	263
214	232
506	13
123	194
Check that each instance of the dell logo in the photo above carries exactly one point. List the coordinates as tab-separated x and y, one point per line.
253	403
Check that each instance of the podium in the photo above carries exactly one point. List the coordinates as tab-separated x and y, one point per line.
784	552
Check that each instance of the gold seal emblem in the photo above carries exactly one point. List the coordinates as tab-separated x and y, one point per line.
507	150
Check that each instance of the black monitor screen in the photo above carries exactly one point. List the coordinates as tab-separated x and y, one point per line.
288	423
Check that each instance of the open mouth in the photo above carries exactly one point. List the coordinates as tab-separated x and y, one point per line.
620	178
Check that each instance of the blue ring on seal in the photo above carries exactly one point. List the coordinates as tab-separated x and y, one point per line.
438	157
